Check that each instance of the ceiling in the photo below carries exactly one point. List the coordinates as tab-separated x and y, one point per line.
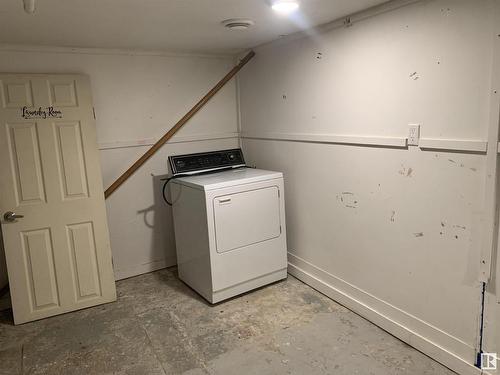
177	25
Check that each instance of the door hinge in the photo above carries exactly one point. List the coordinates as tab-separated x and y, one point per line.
278	193
93	110
280	229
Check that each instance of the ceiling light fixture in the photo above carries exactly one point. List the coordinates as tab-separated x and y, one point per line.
238	23
285	6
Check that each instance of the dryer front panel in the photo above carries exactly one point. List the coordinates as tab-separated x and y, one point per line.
246	218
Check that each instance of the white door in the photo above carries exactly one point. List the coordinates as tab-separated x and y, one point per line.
58	253
246	218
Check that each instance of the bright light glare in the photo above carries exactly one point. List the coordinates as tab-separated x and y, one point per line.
285	6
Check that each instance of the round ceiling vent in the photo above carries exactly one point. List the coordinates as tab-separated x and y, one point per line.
238	23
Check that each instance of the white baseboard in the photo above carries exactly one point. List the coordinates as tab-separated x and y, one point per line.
444	348
124	273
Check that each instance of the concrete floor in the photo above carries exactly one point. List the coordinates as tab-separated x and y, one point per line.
160	326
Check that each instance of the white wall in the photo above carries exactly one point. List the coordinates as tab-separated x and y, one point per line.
137	97
392	232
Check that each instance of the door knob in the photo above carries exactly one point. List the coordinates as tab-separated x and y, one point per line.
11	216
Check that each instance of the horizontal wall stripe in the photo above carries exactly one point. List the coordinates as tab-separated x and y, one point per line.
464	145
175	139
31	48
453	144
361	140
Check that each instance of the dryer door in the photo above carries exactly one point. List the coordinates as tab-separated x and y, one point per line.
246	218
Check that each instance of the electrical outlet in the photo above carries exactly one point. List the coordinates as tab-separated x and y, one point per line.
413	134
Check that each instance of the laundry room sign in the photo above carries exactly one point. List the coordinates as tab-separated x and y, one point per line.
40	113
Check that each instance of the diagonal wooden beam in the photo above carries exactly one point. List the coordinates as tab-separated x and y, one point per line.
129	172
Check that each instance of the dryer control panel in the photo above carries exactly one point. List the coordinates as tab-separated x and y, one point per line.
206	161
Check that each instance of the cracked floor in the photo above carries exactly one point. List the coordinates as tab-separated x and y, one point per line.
160	326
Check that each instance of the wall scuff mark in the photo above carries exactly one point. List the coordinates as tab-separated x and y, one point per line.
406	172
414	76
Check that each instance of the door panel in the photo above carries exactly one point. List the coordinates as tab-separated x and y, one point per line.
39	257
62	92
17	93
25	163
246	218
58	255
71	163
83	251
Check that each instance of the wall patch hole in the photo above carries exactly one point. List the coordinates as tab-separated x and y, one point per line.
348	199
